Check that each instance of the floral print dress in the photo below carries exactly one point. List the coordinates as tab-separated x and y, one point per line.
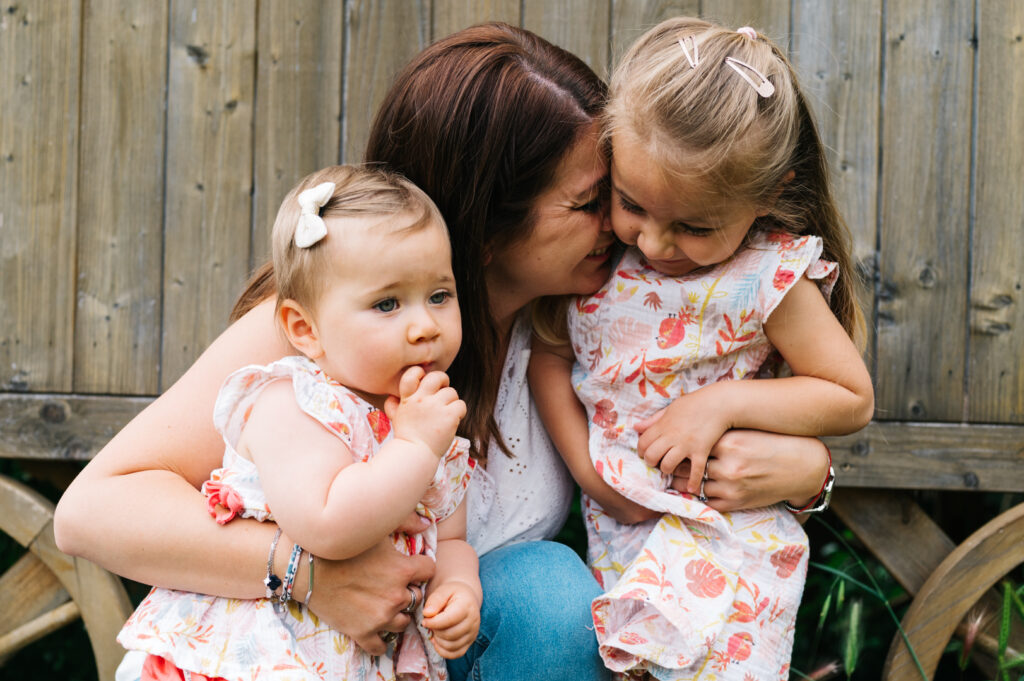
250	639
696	594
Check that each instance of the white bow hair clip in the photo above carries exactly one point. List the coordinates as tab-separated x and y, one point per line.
311	227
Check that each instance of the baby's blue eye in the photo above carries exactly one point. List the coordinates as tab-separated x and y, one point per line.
388	305
439	297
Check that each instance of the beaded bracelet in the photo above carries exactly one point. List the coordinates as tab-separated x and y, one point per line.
272	581
289	575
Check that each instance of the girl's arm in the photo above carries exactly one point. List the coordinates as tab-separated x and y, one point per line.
565	419
327	503
137	511
454	595
830	392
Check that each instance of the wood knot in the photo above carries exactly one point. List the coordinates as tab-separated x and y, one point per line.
52	412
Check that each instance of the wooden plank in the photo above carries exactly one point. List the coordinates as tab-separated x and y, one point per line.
41	626
380	39
924	229
770	17
298	86
211	96
27	590
70	427
896	530
931	456
836	50
39	89
995	375
580	26
454	15
117	340
631	19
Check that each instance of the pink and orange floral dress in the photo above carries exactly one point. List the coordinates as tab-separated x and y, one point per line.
250	639
696	594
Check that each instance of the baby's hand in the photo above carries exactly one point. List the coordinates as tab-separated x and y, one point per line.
427	409
686	429
452	613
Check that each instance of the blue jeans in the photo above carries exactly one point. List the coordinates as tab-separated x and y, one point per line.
535	621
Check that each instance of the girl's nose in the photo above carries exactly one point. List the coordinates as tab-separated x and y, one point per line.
423	327
654	245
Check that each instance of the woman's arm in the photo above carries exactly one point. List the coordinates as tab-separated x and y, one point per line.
565	419
137	511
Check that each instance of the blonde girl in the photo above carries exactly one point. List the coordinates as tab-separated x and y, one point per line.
721	194
338	446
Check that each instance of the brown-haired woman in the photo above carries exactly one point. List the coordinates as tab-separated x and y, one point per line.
498	127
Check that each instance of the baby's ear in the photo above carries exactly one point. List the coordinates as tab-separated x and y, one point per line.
300	329
786	179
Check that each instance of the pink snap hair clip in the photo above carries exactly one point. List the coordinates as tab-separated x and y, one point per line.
748	32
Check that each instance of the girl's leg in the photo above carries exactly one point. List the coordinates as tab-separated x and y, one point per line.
535	622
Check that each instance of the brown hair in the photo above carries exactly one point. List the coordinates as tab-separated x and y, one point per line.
480	120
707	121
300	273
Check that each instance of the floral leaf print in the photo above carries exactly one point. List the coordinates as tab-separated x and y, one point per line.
652	300
787	560
662	365
605	414
784	240
706	580
783	278
632	638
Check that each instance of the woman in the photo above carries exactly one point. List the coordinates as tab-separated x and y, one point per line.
498	127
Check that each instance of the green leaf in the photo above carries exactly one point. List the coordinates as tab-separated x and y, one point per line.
852	648
1004	630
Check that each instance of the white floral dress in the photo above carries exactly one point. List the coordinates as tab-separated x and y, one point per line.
249	639
697	594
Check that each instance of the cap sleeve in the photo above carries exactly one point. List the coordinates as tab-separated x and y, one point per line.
313	393
448	488
786	258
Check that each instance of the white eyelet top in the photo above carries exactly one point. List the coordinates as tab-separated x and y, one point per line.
525	497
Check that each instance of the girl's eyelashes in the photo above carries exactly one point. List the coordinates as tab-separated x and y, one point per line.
629	206
690	229
386	305
440	297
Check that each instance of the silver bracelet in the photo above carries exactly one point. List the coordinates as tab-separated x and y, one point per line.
309	591
272	581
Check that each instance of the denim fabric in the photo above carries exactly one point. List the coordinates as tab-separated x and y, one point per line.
535	621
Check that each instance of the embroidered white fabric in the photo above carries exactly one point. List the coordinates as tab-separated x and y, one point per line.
525	497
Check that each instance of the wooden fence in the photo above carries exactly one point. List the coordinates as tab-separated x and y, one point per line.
145	146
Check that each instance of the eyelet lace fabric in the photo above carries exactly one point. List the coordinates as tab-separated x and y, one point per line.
525	497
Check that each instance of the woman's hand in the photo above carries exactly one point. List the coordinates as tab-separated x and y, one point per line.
365	595
752	468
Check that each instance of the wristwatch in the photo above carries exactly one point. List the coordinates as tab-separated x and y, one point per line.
820	502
